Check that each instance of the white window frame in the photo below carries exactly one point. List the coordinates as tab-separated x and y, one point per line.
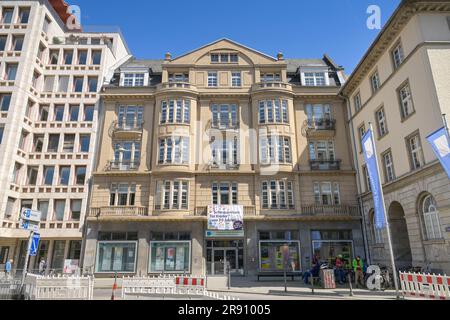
398	55
183	149
375	82
431	218
320	191
282	198
136	252
230	147
382	122
388	162
236	79
273	111
357	102
270	147
174	110
213	81
406	101
232	195
415	152
115	187
161	191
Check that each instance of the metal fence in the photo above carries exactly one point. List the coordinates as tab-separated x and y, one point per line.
10	289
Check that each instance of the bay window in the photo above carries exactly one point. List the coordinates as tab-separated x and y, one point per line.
277	195
130	117
273	111
174	150
172	195
176	111
225	152
275	149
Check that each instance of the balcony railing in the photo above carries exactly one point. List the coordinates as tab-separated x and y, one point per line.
325	165
123	165
203	211
128	127
176	85
222	126
118	212
274	84
321	124
327	211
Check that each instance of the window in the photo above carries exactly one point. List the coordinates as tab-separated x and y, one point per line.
122	194
49	173
277	195
49	82
17	173
96	41
59	209
224	116
46	25
133	79
43	113
174	150
41	51
82	57
74	250
234	58
322	151
68	57
64	176
398	55
381	122
127	154
2	129
24	15
367	179
176	111
93	84
116	257
388	163
38	143
225	193
431	218
273	111
236	79
58	113
224	58
275	149
270	77
78	84
63	85
75	210
406	101
225	152
5	101
80	176
96	57
415	151
169	256
172	195
53	143
35	80
375	82
43	208
130	117
17	43
214	58
74	111
327	193
3	40
69	143
212	79
7	15
357	102
32	176
315	79
54	57
272	251
361	133
85	140
178	77
319	115
11	71
88	113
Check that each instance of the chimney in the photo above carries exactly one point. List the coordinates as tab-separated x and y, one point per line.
168	56
280	56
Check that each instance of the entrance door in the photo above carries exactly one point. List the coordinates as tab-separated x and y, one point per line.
221	258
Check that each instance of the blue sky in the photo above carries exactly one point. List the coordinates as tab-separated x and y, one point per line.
298	28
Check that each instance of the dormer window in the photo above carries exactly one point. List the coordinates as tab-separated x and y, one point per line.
270	77
134	79
315	79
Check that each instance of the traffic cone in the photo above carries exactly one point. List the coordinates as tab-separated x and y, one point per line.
114	288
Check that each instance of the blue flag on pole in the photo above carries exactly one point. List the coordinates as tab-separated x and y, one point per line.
440	142
370	153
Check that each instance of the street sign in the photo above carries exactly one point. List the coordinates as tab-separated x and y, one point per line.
31	215
34	244
29	226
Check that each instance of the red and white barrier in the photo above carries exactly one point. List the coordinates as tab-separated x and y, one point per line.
191	285
425	286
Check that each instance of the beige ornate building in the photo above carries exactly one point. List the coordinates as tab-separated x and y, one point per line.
50	78
402	86
222	125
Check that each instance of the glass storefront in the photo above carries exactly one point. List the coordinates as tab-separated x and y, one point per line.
279	250
59	249
221	253
327	245
170	256
116	257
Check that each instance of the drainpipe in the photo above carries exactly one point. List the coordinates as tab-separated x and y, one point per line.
358	182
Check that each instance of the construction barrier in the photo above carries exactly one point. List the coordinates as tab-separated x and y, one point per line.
191	285
428	286
328	279
59	288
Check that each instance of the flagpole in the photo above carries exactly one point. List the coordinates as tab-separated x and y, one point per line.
388	229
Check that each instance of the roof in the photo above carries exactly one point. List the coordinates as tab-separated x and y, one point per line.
294	64
155	65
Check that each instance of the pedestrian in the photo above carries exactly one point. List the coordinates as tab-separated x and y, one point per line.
314	272
340	269
42	267
358	267
8	268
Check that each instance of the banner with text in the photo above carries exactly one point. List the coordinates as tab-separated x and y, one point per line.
441	146
225	218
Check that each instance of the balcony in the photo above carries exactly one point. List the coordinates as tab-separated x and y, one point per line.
127	130
222	166
203	211
177	86
118	212
216	125
123	165
325	165
336	211
320	127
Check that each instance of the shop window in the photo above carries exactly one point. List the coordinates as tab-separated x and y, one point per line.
170	256
116	257
58	255
326	251
279	255
74	250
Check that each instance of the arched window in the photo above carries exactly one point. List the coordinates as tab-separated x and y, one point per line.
377	234
431	218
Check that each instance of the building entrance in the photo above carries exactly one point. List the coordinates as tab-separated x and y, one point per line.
223	253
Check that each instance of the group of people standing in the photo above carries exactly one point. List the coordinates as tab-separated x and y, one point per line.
9	265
